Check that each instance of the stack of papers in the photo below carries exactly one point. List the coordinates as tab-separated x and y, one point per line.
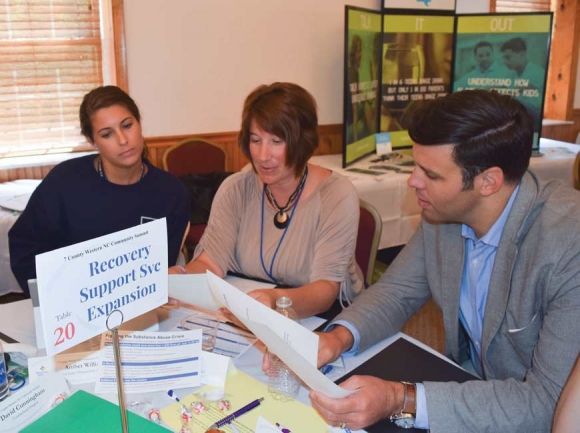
240	390
290	341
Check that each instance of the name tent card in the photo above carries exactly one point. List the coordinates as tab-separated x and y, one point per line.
81	285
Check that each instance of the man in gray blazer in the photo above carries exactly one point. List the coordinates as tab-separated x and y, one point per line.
498	250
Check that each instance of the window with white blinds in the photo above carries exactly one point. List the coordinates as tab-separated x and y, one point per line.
50	56
521	6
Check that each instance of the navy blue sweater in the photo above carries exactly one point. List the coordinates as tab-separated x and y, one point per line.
74	204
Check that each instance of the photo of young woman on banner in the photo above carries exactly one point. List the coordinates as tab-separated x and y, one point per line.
507	53
361	87
417	52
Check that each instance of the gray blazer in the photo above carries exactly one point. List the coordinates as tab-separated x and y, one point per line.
531	327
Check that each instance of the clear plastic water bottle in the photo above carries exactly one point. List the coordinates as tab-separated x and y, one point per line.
4	390
283	384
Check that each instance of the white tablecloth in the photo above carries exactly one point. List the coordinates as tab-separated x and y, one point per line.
397	204
13	197
557	162
7	281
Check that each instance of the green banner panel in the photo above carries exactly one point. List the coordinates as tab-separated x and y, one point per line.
417	53
504	24
364	21
505	53
360	148
418	24
361	85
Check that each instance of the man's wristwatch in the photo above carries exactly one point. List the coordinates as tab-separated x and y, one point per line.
406	417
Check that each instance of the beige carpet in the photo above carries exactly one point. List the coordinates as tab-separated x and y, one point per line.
426	325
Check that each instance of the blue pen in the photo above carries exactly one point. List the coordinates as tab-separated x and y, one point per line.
326	369
171	394
228	419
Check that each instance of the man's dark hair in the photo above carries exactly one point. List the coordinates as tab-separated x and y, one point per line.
480	45
487	130
517	45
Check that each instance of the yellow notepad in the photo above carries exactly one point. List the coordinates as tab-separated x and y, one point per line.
87	413
242	389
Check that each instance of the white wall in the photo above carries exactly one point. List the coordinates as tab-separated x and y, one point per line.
471	6
191	63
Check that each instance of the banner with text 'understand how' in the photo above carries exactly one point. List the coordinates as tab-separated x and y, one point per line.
80	285
416	53
507	53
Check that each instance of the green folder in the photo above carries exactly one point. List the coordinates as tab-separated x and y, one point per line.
87	413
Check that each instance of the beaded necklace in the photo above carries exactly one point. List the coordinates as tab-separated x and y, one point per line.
281	219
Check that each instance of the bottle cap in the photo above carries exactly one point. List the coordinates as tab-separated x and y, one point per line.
284	302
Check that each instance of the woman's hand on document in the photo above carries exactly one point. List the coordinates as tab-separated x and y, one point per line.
263	296
230	317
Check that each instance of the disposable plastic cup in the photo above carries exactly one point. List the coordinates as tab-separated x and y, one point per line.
209	326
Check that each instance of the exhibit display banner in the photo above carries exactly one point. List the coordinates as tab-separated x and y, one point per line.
508	53
362	48
416	66
441	5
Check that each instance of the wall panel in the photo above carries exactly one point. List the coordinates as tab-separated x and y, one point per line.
330	143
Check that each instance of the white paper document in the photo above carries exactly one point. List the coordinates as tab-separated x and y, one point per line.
193	289
77	368
264	426
151	361
15	195
246	308
231	341
79	286
309	374
246	285
214	369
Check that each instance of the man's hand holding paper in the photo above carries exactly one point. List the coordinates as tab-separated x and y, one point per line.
370	400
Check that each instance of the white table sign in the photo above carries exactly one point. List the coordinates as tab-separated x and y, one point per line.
80	285
33	401
77	368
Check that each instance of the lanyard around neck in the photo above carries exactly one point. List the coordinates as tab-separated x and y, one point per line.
281	239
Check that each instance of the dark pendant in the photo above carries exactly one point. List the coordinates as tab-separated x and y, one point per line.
281	220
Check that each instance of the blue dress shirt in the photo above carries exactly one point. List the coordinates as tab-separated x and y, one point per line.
477	268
